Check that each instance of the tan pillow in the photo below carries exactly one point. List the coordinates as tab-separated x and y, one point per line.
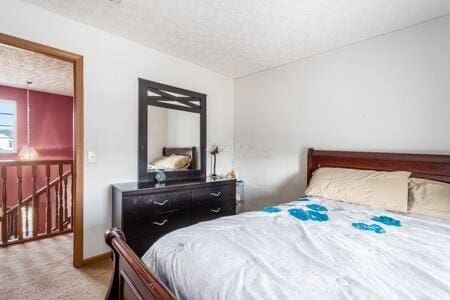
156	160
430	198
385	190
173	161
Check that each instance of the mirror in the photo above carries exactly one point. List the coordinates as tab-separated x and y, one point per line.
173	140
172	132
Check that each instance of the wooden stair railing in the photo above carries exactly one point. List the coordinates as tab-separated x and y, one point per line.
12	211
58	215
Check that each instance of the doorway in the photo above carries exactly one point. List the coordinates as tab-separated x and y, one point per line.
64	211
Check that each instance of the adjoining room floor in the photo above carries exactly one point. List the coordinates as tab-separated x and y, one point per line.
43	270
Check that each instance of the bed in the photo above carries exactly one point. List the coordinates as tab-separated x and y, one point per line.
272	254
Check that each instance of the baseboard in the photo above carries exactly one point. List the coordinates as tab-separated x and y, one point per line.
97	258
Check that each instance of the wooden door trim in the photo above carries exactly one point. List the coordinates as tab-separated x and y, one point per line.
77	61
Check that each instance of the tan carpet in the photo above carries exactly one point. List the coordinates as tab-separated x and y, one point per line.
43	270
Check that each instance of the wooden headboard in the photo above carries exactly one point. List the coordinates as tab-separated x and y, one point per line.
189	151
428	166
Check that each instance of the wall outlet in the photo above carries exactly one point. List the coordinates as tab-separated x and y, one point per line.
91	157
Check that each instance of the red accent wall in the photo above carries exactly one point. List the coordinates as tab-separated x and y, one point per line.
51	134
51	123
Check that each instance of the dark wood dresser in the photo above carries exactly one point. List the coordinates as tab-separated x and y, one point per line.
147	211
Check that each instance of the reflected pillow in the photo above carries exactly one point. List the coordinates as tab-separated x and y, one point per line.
156	160
174	161
379	189
429	198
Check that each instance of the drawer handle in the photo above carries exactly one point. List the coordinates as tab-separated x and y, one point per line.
161	223
216	194
216	210
161	203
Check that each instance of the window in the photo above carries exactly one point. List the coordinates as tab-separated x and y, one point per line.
8	126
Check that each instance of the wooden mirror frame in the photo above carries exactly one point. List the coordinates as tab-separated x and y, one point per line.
164	91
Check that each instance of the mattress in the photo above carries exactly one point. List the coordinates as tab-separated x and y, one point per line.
307	249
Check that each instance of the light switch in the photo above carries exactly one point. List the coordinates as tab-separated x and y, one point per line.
91	157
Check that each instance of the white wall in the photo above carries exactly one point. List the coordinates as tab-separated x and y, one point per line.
112	67
156	132
390	93
183	129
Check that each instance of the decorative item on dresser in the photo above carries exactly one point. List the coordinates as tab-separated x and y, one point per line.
147	211
214	151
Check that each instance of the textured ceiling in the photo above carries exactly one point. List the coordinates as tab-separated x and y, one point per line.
48	74
240	37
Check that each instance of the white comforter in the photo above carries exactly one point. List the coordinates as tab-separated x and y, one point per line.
263	255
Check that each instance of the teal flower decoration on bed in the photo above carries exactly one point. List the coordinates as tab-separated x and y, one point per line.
307	215
298	213
373	227
304	198
271	209
316	207
386	220
317	216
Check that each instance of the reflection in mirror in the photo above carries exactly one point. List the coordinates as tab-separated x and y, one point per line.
173	139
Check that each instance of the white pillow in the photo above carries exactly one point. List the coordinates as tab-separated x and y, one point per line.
430	198
385	190
174	161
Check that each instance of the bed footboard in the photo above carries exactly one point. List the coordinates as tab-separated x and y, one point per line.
131	279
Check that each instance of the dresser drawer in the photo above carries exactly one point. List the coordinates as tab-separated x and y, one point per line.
205	195
155	224
155	204
213	210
